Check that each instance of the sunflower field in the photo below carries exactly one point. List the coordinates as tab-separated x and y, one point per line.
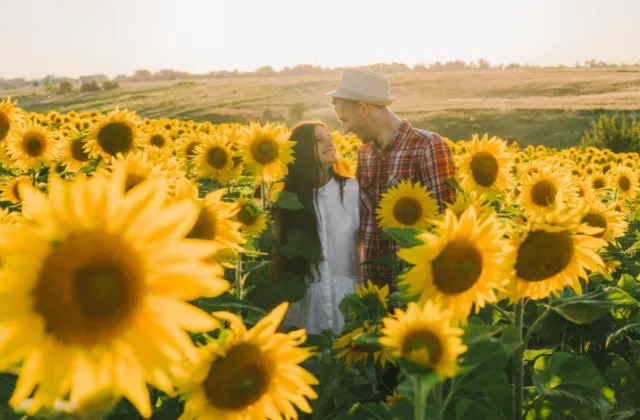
134	261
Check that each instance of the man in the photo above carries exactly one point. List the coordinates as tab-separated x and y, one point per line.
392	150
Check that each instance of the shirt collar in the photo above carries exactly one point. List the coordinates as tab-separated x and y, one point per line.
397	139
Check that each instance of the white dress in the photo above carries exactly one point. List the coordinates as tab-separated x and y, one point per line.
338	229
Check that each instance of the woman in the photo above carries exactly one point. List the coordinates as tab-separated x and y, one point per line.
331	219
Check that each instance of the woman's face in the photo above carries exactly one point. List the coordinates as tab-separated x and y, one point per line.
325	148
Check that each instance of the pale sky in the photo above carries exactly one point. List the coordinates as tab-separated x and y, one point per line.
82	37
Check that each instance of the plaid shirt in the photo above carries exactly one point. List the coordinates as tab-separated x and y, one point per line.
415	155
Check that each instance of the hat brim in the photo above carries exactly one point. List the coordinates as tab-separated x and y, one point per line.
357	98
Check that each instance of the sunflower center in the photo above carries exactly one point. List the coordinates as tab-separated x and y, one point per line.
157	140
133	180
425	343
484	167
598	183
544	193
596	220
407	211
457	268
33	144
247	375
89	287
77	151
246	216
60	167
265	151
217	157
190	150
116	137
205	227
624	183
544	254
5	125
16	191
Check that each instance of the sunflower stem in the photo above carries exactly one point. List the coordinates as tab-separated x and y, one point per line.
263	195
533	327
420	391
518	362
239	286
437	394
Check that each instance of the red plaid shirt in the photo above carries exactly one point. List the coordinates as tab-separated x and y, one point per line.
415	155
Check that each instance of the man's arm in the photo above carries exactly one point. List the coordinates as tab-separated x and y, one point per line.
436	166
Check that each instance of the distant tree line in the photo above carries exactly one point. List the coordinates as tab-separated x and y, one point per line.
301	69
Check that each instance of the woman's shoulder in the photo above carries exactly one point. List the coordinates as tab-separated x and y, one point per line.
351	184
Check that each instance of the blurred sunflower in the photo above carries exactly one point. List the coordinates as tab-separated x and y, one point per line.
625	181
407	205
252	222
612	222
461	265
598	181
117	132
266	151
138	169
352	353
30	147
158	138
74	155
424	338
254	374
345	168
11	190
473	199
546	191
215	224
119	317
550	257
485	166
213	159
186	146
11	117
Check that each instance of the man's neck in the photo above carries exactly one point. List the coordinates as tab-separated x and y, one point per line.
389	127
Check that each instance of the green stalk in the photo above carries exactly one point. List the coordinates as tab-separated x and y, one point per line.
419	397
437	393
263	195
518	363
239	286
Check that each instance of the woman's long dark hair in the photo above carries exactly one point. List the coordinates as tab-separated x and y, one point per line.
302	180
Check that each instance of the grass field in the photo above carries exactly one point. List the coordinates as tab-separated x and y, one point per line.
550	107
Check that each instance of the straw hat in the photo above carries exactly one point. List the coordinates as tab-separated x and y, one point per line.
363	86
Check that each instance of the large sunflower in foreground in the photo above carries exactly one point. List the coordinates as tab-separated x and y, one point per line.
215	222
10	190
91	294
251	375
117	132
461	265
550	257
424	338
213	159
485	166
547	190
30	147
266	151
407	205
604	216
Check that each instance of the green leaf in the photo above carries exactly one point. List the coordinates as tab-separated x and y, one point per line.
510	337
586	308
228	302
474	333
287	200
628	283
453	183
534	354
368	342
299	244
467	409
291	287
405	237
632	325
483	362
571	384
386	260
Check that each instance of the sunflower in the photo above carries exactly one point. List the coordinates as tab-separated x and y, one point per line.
392	399
485	167
473	199
598	181
550	257
251	220
266	151
214	222
138	169
585	190
11	190
31	146
117	132
118	318
407	205
254	374
186	146
380	293
158	138
74	154
185	188
461	265
424	338
612	222
625	182
546	191
213	159
345	168
349	350
11	117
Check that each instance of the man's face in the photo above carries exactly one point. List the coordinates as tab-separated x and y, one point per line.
354	120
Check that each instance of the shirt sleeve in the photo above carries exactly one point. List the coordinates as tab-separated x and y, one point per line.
436	166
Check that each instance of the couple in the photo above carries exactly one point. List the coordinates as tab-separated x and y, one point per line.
339	214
